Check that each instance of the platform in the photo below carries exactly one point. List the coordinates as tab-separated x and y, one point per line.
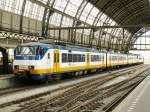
7	81
138	100
6	76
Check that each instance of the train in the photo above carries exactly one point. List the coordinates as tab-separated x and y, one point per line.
43	61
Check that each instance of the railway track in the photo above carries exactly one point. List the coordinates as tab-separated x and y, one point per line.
26	87
128	88
86	96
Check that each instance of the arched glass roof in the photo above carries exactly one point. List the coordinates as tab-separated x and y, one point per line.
67	13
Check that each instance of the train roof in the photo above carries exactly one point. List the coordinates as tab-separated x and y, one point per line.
62	47
33	44
65	47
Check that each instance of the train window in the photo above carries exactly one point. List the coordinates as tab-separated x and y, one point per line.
95	58
26	50
39	51
64	57
101	57
114	58
83	58
98	58
18	50
79	57
74	57
92	58
70	57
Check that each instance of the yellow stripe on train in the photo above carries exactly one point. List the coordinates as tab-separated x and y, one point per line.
51	70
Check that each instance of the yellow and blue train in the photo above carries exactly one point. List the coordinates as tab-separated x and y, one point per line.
40	61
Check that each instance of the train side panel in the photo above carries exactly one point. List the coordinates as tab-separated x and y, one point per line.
72	61
96	60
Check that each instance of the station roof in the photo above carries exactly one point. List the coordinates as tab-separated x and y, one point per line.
79	13
125	12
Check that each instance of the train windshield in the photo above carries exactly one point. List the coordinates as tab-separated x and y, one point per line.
29	50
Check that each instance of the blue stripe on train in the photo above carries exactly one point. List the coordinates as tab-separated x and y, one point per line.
41	76
32	76
38	76
53	75
31	57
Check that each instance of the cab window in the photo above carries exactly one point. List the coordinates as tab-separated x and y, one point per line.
40	51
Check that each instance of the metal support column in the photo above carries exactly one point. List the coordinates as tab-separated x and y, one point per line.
46	16
21	16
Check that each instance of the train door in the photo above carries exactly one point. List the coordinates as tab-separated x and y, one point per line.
127	59
109	61
56	61
102	59
48	60
106	59
88	60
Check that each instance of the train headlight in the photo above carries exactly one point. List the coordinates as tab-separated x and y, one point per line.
16	66
31	67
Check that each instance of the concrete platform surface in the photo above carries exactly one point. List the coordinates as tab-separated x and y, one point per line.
7	81
6	76
138	100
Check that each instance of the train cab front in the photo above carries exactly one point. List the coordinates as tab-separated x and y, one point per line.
27	59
